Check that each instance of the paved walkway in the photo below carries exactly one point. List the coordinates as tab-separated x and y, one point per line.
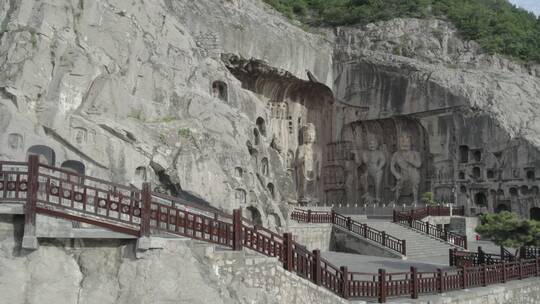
364	263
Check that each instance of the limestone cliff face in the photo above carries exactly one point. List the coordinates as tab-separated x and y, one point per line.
213	100
129	92
227	103
471	115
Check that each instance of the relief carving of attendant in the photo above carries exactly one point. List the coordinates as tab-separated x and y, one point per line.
375	161
405	167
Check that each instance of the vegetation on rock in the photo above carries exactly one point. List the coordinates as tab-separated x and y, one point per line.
427	198
506	229
497	25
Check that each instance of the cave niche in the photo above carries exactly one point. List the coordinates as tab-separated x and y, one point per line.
219	90
73	166
46	154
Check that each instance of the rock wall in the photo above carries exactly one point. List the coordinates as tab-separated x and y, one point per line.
136	92
313	236
76	271
342	241
469	117
227	103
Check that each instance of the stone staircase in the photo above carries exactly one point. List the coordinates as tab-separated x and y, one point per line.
419	245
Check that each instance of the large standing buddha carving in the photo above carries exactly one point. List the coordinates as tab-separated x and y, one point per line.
308	166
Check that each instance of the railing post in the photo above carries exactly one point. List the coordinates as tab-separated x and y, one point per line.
382	286
503	264
440	286
349	223
365	230
237	229
481	256
316	275
145	210
309	216
404	247
383	236
333	216
344	282
484	275
143	242
522	253
414	283
29	239
520	269
288	251
465	242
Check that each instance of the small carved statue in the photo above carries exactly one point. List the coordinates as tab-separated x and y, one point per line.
308	166
15	141
375	161
5	118
215	90
405	167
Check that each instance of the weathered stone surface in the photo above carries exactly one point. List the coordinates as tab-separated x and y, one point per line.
164	92
104	272
127	92
471	115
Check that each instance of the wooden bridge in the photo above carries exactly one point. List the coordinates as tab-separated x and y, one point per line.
140	212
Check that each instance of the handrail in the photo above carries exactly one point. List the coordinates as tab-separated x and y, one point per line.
350	225
473	259
530	252
410	220
135	211
420	213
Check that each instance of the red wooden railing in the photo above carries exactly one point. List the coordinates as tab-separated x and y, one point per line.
67	195
363	230
529	252
421	213
494	268
469	259
410	219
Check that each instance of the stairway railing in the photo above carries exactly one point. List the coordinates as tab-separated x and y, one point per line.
57	192
410	220
469	259
421	213
348	224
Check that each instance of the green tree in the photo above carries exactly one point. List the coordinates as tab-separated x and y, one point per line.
506	229
497	25
427	198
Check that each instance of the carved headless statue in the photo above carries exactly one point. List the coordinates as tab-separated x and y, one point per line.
308	166
405	167
375	161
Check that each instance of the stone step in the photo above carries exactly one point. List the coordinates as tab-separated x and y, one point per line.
419	244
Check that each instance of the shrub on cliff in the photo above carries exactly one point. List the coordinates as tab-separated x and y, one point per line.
497	25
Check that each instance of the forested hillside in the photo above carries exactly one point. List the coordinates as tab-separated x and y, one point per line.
497	25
